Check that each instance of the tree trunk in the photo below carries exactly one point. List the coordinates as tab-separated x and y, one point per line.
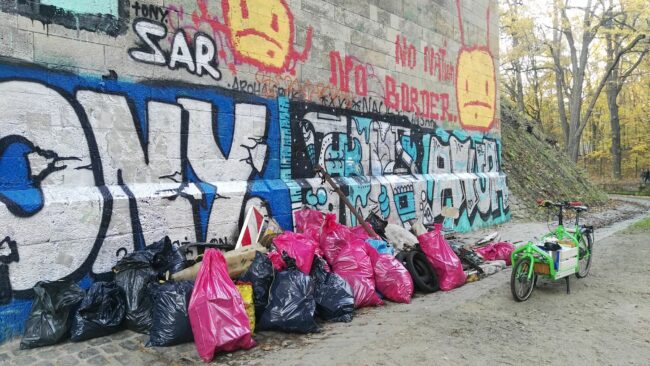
559	87
614	121
520	89
516	64
559	75
519	85
537	111
575	114
574	147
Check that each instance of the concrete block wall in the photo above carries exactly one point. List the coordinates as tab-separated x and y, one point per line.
124	121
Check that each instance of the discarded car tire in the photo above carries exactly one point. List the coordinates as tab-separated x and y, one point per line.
401	256
424	277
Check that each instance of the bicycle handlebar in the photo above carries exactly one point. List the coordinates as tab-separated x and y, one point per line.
573	205
549	204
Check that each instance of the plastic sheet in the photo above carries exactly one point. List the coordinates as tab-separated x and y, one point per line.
260	274
217	313
246	291
334	237
497	251
444	261
353	264
170	320
381	246
101	312
291	303
398	236
297	246
392	279
334	297
133	273
49	320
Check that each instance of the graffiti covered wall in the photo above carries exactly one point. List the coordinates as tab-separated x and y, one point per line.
124	121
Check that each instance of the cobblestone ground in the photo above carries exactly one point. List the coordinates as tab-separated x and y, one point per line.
128	348
388	335
123	348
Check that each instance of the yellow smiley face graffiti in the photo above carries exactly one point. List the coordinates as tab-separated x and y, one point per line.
261	31
476	88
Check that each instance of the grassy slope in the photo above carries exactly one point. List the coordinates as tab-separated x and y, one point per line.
536	169
640	226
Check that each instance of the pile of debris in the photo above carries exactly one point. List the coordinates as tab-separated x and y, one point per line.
279	280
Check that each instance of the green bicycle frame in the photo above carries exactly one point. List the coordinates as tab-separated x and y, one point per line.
561	233
530	250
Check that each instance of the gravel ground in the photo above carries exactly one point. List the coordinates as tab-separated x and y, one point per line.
605	319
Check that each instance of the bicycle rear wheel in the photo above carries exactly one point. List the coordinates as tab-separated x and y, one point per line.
585	253
520	285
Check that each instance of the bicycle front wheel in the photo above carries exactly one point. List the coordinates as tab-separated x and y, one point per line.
520	285
585	254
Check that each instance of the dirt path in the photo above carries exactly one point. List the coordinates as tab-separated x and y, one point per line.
605	320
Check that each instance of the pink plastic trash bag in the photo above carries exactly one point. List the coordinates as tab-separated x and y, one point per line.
358	232
392	279
276	260
445	262
313	232
334	237
297	246
216	310
353	264
307	218
496	251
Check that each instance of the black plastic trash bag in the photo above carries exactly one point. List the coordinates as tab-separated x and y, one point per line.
176	260
291	304
334	296
377	223
101	312
165	256
49	320
132	274
171	322
260	274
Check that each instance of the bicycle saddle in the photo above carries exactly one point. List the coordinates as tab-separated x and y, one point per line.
578	206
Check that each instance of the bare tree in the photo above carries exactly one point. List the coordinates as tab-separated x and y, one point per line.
570	76
620	30
514	83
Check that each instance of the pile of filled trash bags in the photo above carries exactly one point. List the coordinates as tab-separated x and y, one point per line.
324	270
